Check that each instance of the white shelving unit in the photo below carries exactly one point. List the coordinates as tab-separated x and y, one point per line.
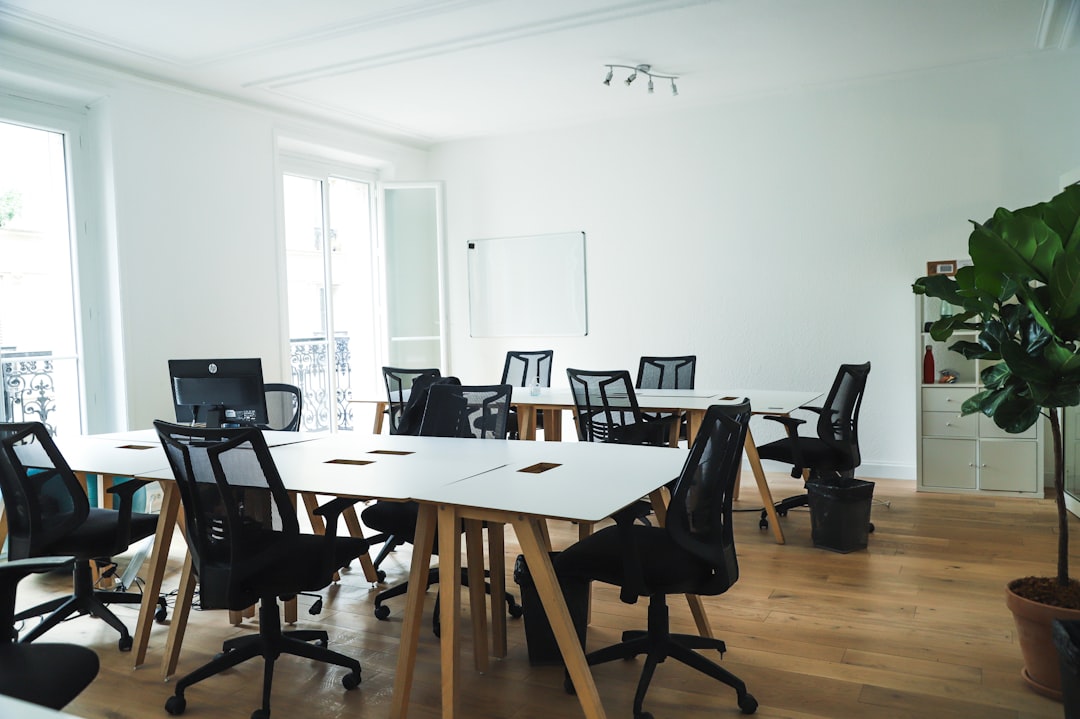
967	454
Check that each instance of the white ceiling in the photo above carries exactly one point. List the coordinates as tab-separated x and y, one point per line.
427	71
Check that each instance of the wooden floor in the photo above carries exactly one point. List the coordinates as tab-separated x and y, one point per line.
915	626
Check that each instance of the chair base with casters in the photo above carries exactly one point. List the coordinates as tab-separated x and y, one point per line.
269	643
86	600
657	643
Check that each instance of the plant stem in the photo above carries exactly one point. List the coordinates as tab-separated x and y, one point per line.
1059	497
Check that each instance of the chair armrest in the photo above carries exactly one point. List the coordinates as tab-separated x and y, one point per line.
791	424
13	572
125	492
633	585
330	512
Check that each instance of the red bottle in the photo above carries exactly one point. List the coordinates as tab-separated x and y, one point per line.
928	366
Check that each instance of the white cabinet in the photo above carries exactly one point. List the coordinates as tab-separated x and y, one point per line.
958	453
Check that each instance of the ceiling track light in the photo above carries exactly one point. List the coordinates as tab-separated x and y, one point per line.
636	70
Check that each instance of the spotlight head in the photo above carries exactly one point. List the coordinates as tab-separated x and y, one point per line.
674	89
650	85
633	76
610	74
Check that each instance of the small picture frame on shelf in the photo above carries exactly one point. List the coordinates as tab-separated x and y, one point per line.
941	267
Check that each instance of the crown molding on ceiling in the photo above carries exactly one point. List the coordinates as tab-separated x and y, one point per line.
621	11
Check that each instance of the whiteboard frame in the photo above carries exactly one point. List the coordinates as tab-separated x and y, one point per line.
528	286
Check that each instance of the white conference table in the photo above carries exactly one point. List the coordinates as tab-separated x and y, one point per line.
552	401
473	481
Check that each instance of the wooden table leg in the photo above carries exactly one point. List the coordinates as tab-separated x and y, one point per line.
155	569
414	610
380	413
526	416
356	530
178	624
474	551
547	586
763	487
450	599
553	425
497	564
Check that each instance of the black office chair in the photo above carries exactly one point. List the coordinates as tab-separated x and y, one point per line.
399	384
667	373
526	369
834	452
693	554
49	515
284	406
449	410
246	546
47	674
606	410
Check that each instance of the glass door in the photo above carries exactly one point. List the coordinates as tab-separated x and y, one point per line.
39	349
413	235
332	287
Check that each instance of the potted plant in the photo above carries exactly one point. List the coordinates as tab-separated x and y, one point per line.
1021	295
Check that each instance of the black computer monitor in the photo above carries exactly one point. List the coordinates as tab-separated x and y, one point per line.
218	392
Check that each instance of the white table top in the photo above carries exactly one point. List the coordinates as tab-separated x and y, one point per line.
762	401
273	437
590	481
113	458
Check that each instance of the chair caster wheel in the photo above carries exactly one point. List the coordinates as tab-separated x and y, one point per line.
351	680
763	524
380	575
175	705
643	715
125	644
382	612
161	615
747	703
260	714
871	528
515	610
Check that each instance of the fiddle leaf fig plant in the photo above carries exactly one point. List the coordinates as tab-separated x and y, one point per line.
1021	296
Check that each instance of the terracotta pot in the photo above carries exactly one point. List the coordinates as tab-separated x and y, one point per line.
1041	669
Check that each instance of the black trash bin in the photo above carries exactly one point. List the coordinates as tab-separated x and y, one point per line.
540	640
1067	640
840	513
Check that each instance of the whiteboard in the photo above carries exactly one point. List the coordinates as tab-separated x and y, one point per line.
531	286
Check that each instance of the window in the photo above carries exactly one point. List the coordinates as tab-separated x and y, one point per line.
39	348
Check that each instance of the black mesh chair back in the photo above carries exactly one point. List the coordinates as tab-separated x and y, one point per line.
246	547
522	369
666	372
838	421
699	513
43	499
47	674
236	508
607	410
399	384
49	515
284	406
693	554
466	411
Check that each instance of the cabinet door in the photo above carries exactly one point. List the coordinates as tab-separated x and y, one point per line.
1008	465
949	463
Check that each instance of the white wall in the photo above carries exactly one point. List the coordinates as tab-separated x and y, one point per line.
181	250
774	237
